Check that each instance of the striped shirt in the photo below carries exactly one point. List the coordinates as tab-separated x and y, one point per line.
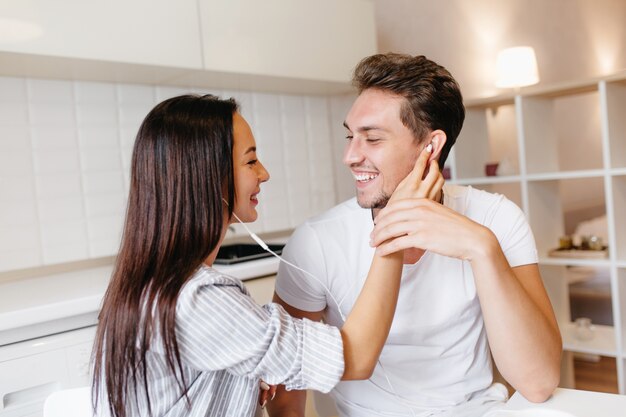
227	344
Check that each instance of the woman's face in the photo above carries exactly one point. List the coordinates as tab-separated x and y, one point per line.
248	171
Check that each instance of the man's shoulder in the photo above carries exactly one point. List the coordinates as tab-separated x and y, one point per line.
463	198
482	206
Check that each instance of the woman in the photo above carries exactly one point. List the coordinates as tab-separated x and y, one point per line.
175	336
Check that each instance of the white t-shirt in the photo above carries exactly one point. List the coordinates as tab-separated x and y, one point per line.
437	356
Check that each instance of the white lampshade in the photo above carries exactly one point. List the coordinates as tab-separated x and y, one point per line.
517	67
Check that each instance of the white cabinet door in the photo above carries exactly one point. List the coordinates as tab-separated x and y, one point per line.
153	32
316	40
26	382
32	370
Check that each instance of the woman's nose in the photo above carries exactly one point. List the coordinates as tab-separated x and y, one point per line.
263	174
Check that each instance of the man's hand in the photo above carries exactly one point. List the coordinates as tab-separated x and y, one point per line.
425	224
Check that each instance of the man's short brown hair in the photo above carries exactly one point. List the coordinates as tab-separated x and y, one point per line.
433	99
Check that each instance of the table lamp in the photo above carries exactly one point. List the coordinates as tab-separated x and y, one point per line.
517	67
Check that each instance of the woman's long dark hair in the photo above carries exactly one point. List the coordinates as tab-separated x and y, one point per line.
181	170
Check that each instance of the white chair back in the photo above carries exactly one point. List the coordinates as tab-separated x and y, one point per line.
75	402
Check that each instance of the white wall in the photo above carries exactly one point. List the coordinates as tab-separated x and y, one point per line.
573	39
65	149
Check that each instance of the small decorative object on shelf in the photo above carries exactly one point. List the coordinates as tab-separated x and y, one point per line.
583	329
506	167
565	242
491	169
583	247
446	173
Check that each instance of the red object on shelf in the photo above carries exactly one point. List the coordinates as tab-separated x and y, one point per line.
446	173
491	170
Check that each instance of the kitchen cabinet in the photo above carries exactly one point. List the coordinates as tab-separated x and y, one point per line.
150	32
278	45
296	39
562	150
33	369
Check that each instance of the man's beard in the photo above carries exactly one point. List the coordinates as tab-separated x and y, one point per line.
379	202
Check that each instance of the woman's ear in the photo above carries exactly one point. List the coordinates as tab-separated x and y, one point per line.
438	140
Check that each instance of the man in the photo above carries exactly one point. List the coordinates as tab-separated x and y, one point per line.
471	287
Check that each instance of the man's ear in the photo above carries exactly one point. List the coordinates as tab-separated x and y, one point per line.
438	139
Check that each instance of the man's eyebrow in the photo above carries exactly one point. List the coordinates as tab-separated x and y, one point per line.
365	128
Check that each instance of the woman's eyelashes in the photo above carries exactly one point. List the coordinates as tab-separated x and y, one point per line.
252	162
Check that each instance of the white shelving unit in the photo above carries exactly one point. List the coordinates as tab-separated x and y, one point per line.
562	153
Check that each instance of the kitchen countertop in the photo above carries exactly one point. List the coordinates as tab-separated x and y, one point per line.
36	306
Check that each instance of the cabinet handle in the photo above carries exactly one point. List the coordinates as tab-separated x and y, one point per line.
29	395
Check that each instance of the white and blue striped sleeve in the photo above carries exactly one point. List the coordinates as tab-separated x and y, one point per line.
221	328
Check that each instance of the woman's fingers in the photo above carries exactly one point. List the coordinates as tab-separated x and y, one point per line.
438	187
266	393
410	185
428	185
395	245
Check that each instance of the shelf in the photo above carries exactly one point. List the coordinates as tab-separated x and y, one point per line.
490	102
567	144
489	135
563	132
566	175
574	262
567	88
487	180
602	343
557	205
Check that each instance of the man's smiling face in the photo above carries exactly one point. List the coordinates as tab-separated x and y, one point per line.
380	150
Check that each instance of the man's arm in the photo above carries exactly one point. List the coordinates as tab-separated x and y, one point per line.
521	327
523	332
290	403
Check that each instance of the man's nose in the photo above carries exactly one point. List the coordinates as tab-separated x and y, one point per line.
353	153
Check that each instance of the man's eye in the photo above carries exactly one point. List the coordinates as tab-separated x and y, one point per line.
349	137
372	140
